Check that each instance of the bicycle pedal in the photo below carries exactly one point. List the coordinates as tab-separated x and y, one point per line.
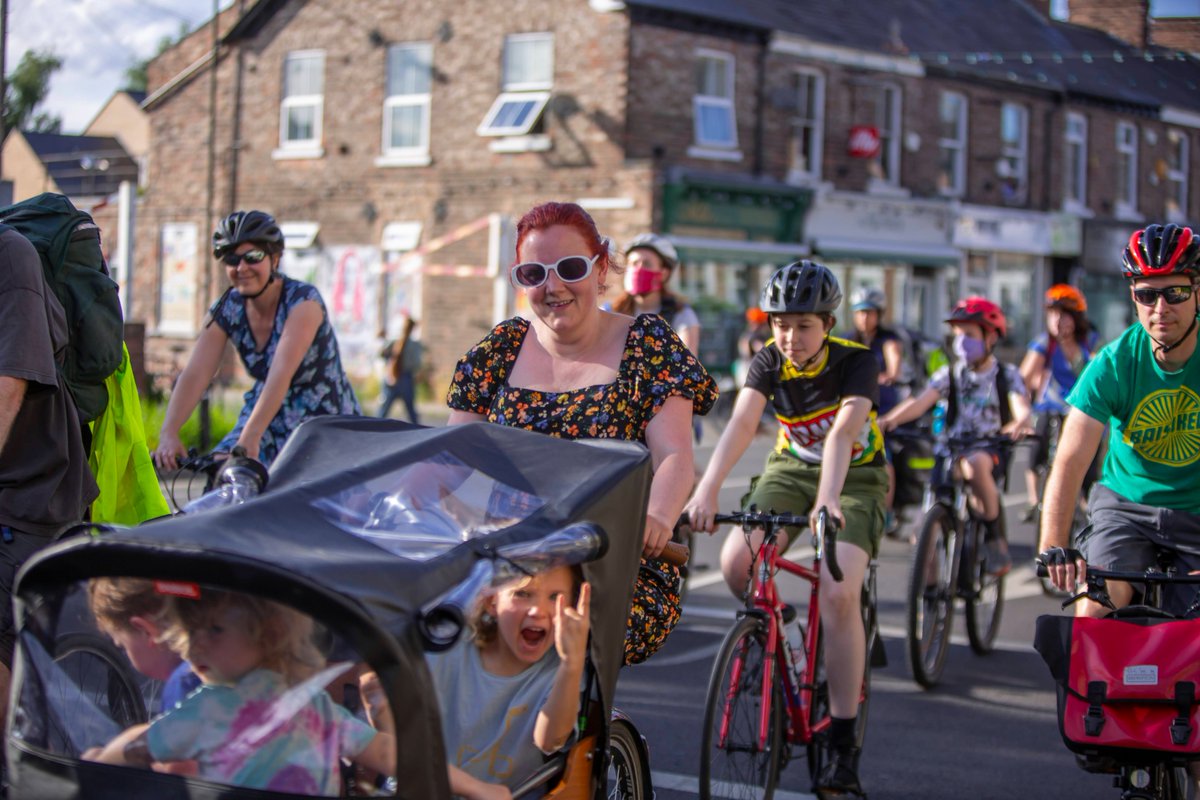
788	612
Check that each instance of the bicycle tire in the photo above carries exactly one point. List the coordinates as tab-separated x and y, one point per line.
985	597
628	770
871	628
99	672
737	767
931	592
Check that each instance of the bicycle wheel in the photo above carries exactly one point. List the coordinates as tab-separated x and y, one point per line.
931	591
628	771
734	762
985	598
98	679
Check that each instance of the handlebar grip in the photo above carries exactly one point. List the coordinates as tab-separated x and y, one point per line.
827	530
676	553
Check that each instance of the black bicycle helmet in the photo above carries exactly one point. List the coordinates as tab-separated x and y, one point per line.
240	227
1162	250
803	287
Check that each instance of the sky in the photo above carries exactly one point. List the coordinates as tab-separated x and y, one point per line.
97	41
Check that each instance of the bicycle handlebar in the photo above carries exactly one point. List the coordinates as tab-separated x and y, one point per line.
825	535
1097	578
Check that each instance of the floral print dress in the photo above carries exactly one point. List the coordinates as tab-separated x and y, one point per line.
319	385
655	366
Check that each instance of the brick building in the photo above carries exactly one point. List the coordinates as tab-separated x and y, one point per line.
919	146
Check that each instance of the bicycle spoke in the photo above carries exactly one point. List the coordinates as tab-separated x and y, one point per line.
735	762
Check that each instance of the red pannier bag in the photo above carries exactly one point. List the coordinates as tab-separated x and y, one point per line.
1127	685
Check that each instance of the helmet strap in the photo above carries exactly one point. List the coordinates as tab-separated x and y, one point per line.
815	357
1161	349
266	286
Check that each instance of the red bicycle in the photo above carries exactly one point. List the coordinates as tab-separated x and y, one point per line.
765	694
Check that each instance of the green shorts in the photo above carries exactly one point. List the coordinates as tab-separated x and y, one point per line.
789	485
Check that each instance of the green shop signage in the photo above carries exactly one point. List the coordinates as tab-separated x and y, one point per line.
731	208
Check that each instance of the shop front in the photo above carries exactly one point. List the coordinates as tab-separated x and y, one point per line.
1012	257
731	232
1100	278
896	244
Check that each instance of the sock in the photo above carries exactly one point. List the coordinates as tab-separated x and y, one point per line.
842	732
992	528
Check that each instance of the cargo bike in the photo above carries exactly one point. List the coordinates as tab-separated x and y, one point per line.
379	536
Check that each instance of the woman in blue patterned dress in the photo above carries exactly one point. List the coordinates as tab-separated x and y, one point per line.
576	371
282	334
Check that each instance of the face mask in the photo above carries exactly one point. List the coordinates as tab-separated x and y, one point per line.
643	281
969	349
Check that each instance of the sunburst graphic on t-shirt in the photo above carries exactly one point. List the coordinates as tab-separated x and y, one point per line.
1165	427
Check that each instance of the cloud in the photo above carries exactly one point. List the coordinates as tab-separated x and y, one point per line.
97	41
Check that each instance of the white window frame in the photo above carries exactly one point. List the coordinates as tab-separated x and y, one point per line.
301	148
415	155
514	92
956	145
1127	183
811	119
1075	173
1179	177
889	126
1018	152
703	147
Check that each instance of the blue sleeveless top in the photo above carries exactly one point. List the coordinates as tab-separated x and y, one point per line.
319	385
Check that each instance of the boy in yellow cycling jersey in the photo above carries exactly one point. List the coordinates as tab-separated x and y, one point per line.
824	392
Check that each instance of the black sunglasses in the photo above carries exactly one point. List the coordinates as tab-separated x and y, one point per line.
1174	295
250	257
569	269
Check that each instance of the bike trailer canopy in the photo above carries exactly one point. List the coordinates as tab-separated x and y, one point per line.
366	525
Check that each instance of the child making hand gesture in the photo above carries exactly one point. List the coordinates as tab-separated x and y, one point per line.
510	694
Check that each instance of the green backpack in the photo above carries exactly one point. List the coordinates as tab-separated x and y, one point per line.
68	242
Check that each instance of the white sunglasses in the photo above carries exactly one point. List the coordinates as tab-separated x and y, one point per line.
569	269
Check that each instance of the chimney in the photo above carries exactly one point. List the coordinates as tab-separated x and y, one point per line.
1128	20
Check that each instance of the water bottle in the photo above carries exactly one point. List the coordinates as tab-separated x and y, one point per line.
939	418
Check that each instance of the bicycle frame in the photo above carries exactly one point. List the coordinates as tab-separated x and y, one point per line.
763	601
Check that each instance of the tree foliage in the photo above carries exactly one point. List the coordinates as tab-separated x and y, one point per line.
28	86
136	77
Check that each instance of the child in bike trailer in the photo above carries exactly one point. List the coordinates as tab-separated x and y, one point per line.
1050	368
132	612
1143	385
984	397
509	694
829	454
262	718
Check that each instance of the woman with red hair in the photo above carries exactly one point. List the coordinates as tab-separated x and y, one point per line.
576	371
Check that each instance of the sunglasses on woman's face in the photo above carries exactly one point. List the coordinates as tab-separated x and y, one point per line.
569	269
250	257
1174	295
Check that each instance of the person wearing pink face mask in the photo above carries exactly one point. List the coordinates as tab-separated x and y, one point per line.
649	261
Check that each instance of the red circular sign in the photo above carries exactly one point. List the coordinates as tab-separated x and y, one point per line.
864	141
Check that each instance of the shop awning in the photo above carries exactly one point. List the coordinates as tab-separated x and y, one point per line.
696	248
837	248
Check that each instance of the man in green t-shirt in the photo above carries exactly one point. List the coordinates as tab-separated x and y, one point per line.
1146	386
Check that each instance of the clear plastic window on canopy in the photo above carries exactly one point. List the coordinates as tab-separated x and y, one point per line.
196	681
421	510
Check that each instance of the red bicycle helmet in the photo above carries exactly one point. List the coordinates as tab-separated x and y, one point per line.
981	311
1162	250
1066	297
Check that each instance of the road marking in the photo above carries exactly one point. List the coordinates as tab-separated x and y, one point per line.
691	785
